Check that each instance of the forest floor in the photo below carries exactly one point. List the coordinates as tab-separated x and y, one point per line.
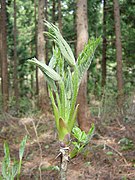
109	156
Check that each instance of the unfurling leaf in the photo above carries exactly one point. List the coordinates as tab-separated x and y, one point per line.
63	45
85	58
46	69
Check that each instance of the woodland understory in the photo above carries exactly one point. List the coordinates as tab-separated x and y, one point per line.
109	156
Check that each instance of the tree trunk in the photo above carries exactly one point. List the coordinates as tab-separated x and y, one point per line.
0	48
82	39
42	88
104	46
15	60
59	16
53	11
46	39
118	52
74	23
4	67
35	18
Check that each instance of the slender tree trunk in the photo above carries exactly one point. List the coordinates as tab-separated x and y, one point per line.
82	38
74	20
118	52
35	18
59	16
42	88
53	11
53	14
46	39
16	93
0	48
4	67
104	46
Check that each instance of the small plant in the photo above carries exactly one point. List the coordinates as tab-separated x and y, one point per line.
52	168
63	75
109	153
82	140
126	144
12	169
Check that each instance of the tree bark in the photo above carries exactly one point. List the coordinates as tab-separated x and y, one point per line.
104	46
82	39
53	11
59	16
16	92
0	48
46	39
35	18
118	52
4	66
42	88
74	22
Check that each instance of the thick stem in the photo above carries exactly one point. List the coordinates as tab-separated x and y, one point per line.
64	162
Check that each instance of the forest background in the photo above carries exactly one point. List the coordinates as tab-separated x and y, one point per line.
19	82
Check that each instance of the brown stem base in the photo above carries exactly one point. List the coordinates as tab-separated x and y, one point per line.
64	162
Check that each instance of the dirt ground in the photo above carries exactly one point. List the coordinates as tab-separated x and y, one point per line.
109	156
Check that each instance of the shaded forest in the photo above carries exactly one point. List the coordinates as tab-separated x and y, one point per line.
88	49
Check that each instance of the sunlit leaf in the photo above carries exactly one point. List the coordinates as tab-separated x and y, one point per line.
62	99
71	121
75	92
46	69
55	109
86	56
63	45
22	147
15	168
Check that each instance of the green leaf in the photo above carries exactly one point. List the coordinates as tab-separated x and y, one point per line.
50	168
53	61
51	83
71	122
83	137
46	69
62	99
58	102
68	84
91	131
73	153
76	144
68	93
63	45
22	147
77	133
7	153
15	168
55	109
109	153
75	92
6	171
77	149
85	58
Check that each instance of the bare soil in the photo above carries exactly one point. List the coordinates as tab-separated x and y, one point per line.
107	157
